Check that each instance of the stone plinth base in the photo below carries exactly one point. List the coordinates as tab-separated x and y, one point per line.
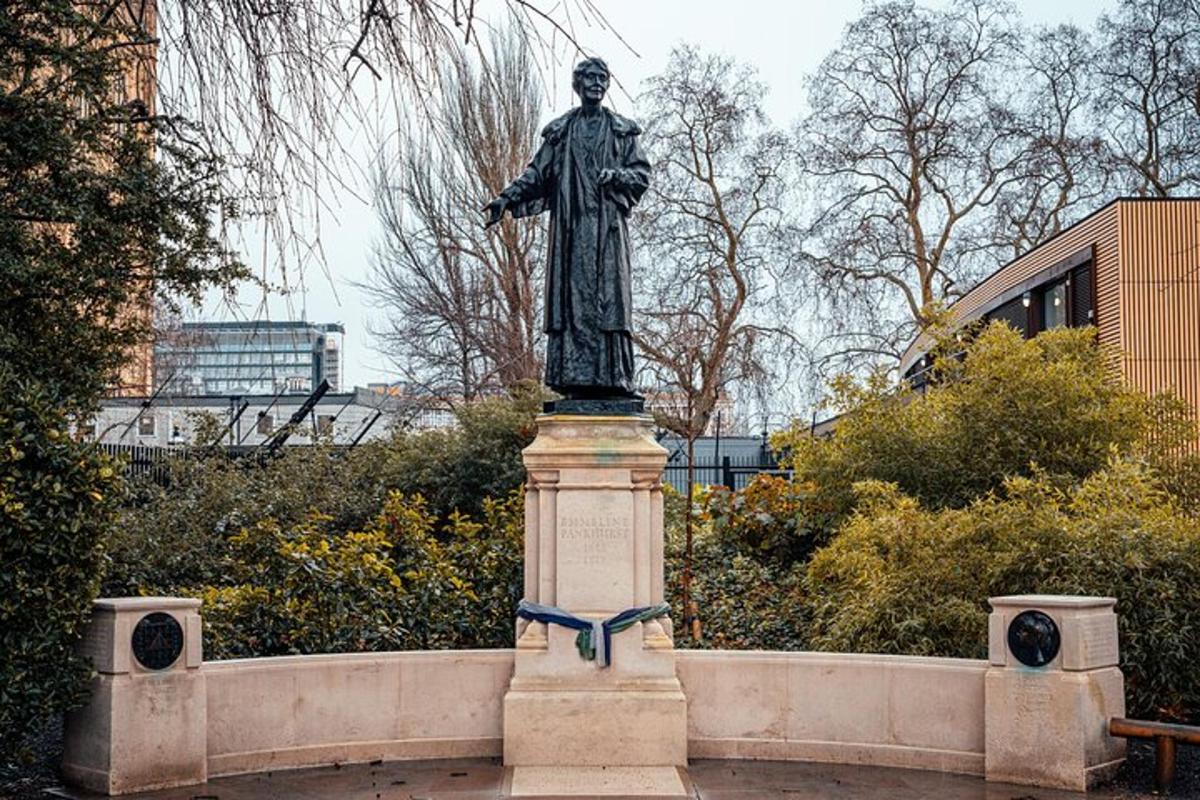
1048	725
594	548
1050	729
142	728
544	783
580	727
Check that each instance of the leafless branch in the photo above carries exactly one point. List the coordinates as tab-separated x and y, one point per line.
461	305
709	233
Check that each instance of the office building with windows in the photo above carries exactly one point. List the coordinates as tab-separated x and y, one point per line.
249	358
1131	269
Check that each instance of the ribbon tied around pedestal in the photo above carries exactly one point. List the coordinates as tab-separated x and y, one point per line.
594	640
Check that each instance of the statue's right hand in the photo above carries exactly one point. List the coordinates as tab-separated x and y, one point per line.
495	211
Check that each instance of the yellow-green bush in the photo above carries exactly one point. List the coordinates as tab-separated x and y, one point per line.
1000	406
901	578
490	554
301	591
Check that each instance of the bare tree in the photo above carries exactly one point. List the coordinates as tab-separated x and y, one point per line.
1148	98
710	252
281	91
461	304
944	141
1064	175
911	142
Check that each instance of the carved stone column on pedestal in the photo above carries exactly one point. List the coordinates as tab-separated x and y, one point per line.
594	547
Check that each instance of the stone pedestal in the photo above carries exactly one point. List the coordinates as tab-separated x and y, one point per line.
144	728
1048	725
594	547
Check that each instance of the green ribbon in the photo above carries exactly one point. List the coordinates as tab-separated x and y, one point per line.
594	639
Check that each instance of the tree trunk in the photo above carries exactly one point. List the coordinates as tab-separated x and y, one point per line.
688	614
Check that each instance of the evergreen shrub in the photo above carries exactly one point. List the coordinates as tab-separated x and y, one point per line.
397	584
58	498
998	406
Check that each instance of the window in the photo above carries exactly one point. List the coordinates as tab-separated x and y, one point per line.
1082	312
146	425
918	373
1054	305
1014	312
266	424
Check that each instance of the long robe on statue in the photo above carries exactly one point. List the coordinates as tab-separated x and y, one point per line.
588	322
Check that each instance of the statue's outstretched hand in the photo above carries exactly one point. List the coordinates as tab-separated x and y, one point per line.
495	211
609	177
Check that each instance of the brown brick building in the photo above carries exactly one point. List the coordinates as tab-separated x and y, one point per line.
140	84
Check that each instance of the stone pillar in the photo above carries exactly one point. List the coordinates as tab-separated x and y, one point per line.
1047	720
593	547
145	725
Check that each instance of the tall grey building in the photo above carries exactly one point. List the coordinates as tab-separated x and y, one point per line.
249	358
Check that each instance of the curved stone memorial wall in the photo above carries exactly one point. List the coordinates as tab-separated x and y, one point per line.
297	711
193	720
624	707
893	711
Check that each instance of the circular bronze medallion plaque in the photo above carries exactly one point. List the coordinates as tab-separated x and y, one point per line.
1033	638
157	640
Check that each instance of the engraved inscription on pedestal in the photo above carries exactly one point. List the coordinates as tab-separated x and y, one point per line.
1032	701
96	645
595	551
1097	642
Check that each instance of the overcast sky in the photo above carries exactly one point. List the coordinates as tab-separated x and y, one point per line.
783	40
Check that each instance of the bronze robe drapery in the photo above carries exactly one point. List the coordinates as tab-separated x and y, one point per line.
588	322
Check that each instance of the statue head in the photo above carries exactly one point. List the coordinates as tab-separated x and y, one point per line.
590	80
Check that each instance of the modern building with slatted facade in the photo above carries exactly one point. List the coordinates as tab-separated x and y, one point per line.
1131	268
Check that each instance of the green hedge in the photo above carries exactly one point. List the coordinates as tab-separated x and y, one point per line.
57	501
744	602
397	584
771	518
179	537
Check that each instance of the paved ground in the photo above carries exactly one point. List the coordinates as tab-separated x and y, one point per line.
714	780
476	779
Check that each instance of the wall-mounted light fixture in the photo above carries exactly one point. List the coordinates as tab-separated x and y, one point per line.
1026	299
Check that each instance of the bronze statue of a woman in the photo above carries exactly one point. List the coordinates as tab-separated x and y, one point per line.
589	172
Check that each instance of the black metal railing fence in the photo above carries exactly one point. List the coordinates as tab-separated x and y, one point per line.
154	464
732	472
